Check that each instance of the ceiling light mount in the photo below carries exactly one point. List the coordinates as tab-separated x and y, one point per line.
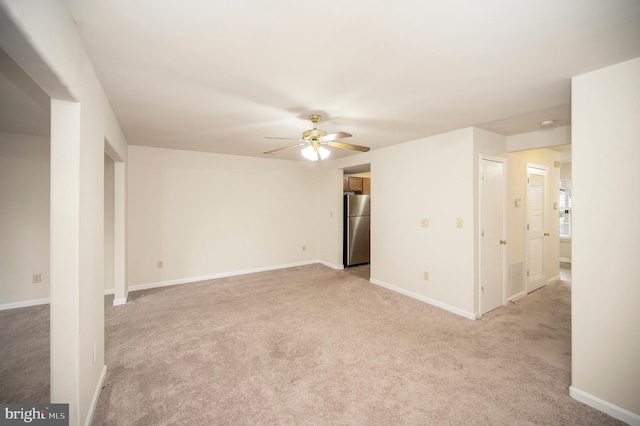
314	119
313	134
547	123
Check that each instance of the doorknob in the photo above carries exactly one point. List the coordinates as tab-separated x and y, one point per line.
546	234
503	241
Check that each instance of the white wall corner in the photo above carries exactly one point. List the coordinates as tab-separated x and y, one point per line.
604	406
330	265
436	303
96	396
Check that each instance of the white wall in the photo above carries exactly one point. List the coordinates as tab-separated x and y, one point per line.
428	178
543	138
362	175
24	217
82	120
206	214
330	213
435	178
517	216
605	267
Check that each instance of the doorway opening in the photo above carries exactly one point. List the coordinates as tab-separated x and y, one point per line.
356	220
547	253
109	233
25	267
114	226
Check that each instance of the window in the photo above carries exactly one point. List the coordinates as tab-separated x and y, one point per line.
564	208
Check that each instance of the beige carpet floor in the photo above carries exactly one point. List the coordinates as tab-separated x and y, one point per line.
24	355
311	345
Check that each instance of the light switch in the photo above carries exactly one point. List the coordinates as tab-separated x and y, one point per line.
460	223
424	223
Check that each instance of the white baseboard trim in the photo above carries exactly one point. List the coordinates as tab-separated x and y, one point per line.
25	304
216	276
118	302
441	305
565	260
517	296
330	265
604	406
553	279
96	396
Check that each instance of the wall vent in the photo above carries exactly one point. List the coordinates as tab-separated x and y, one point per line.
516	278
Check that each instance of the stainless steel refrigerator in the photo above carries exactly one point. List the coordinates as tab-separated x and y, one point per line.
357	224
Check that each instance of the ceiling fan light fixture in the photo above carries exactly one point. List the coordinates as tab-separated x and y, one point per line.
324	152
314	140
311	153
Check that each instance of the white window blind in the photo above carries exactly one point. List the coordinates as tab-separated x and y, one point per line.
564	208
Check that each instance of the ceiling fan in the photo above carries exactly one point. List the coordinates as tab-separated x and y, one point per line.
316	140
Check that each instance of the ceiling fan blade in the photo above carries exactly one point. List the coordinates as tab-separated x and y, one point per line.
334	136
271	137
284	147
348	146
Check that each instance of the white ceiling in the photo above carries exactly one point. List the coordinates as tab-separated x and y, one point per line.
219	76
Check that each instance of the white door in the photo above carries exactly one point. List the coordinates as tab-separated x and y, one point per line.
536	180
492	241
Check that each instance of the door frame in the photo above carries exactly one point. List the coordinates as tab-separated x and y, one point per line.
545	172
503	161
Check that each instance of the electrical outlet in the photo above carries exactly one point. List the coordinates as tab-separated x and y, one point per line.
37	278
330	214
160	263
425	276
424	223
304	248
460	223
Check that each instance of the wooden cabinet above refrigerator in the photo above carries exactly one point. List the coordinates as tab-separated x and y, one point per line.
357	184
